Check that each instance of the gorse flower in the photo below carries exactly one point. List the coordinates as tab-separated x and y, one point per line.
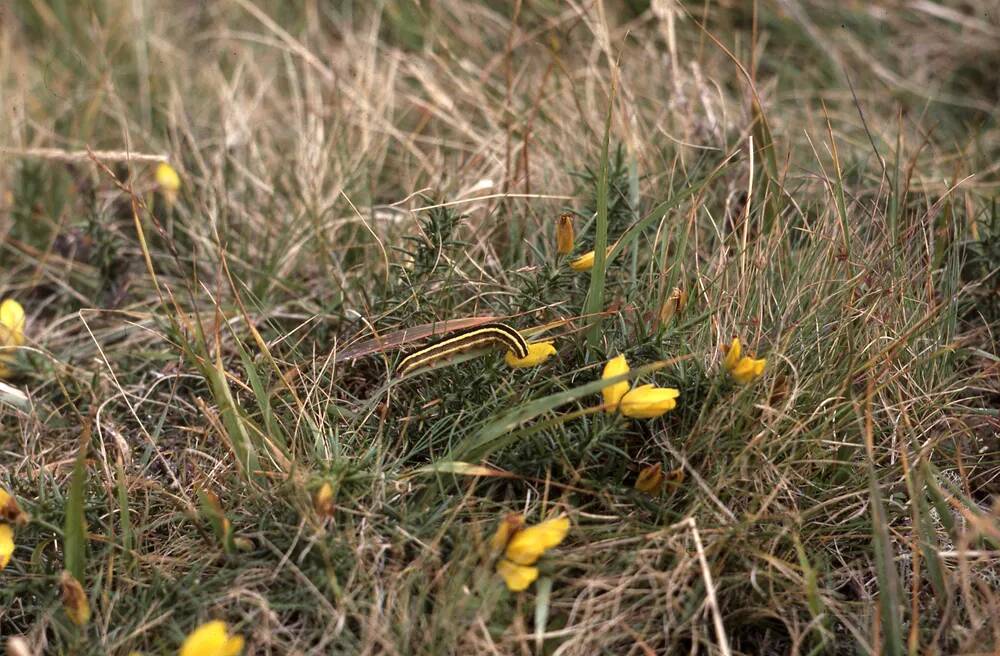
212	639
583	263
564	234
586	261
10	511
528	544
612	394
522	547
11	323
673	306
510	525
538	352
650	479
323	500
517	577
74	599
6	544
643	402
168	181
743	369
648	401
11	333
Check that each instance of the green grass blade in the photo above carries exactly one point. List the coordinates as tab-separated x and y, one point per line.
75	526
124	514
543	595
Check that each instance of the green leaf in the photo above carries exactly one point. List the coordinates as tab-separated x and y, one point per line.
75	528
885	568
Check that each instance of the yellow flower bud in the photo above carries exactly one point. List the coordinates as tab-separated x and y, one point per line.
564	234
168	181
74	599
323	500
674	305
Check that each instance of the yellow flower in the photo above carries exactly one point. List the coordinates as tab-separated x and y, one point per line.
212	639
10	511
538	352
517	577
323	500
583	263
6	545
613	393
11	333
564	234
528	544
74	599
743	369
647	401
524	546
586	261
168	181
650	479
11	323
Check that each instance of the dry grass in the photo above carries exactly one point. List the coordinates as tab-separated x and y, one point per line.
349	172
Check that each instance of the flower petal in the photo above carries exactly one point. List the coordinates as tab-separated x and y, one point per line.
212	639
167	177
11	323
517	577
733	352
538	352
748	369
613	393
647	401
529	544
583	263
6	545
233	646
